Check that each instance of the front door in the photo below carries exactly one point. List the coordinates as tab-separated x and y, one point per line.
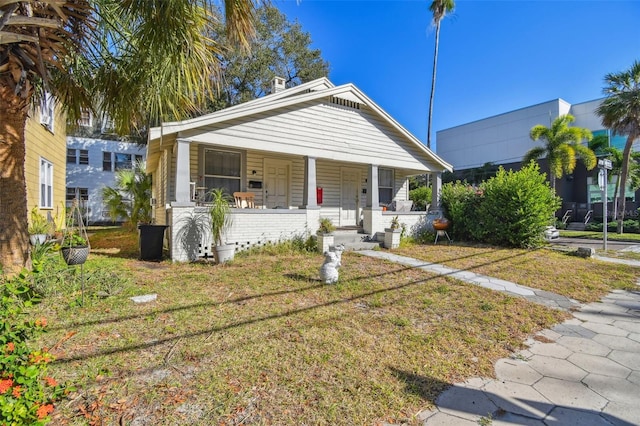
276	187
349	191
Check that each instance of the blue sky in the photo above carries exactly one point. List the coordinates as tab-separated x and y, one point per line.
495	56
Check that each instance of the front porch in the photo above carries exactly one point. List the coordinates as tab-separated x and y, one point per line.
190	240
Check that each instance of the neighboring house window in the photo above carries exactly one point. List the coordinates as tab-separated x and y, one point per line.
86	118
71	156
83	158
113	161
73	193
385	185
46	184
107	163
47	111
123	161
77	156
222	170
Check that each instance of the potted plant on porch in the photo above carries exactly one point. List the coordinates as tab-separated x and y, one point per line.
325	234
220	215
392	234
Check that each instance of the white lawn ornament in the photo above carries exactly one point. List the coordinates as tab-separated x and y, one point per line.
338	251
329	269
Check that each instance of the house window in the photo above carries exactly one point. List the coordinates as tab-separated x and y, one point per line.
139	158
73	193
385	186
47	111
222	169
107	163
46	184
85	118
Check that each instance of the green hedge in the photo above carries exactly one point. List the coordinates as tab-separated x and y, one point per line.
511	209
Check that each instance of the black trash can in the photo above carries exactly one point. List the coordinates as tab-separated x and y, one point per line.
151	241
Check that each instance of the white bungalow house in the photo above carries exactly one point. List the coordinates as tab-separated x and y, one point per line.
314	150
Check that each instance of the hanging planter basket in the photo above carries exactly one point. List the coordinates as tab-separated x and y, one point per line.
75	242
76	255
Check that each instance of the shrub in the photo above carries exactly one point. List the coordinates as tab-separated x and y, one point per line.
517	207
461	201
27	394
510	209
421	196
631	226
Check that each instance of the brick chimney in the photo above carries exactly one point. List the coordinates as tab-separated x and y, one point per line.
277	84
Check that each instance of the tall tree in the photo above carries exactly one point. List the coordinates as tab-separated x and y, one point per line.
562	146
439	9
280	48
633	172
620	112
102	49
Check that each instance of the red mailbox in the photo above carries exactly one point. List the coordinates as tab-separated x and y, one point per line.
319	195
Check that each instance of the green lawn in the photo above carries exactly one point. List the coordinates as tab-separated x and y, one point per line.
598	235
263	341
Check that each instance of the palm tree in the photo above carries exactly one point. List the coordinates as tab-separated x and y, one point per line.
620	112
562	147
633	173
439	9
131	196
82	50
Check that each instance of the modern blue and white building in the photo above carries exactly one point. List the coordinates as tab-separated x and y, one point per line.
504	140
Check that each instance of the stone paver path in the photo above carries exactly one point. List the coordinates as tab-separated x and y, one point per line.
583	372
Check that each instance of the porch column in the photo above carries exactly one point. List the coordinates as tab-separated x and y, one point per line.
436	186
373	198
309	200
183	174
372	213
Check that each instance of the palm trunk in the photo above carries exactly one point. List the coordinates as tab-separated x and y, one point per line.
433	85
626	155
14	239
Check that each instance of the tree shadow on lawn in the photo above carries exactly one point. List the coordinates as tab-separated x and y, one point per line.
292	312
298	277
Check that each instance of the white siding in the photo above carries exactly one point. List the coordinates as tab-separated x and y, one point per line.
321	130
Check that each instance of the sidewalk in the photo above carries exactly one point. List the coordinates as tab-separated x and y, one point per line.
585	371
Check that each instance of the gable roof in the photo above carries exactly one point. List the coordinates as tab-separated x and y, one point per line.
321	88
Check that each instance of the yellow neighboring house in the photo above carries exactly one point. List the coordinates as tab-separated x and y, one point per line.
45	161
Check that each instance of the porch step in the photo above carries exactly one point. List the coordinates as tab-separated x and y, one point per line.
354	239
576	226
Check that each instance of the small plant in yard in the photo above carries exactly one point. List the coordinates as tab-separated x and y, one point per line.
38	224
27	393
326	226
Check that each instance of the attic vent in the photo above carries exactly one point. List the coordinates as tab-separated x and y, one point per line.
345	102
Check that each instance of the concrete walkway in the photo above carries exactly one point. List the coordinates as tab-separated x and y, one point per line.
585	371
